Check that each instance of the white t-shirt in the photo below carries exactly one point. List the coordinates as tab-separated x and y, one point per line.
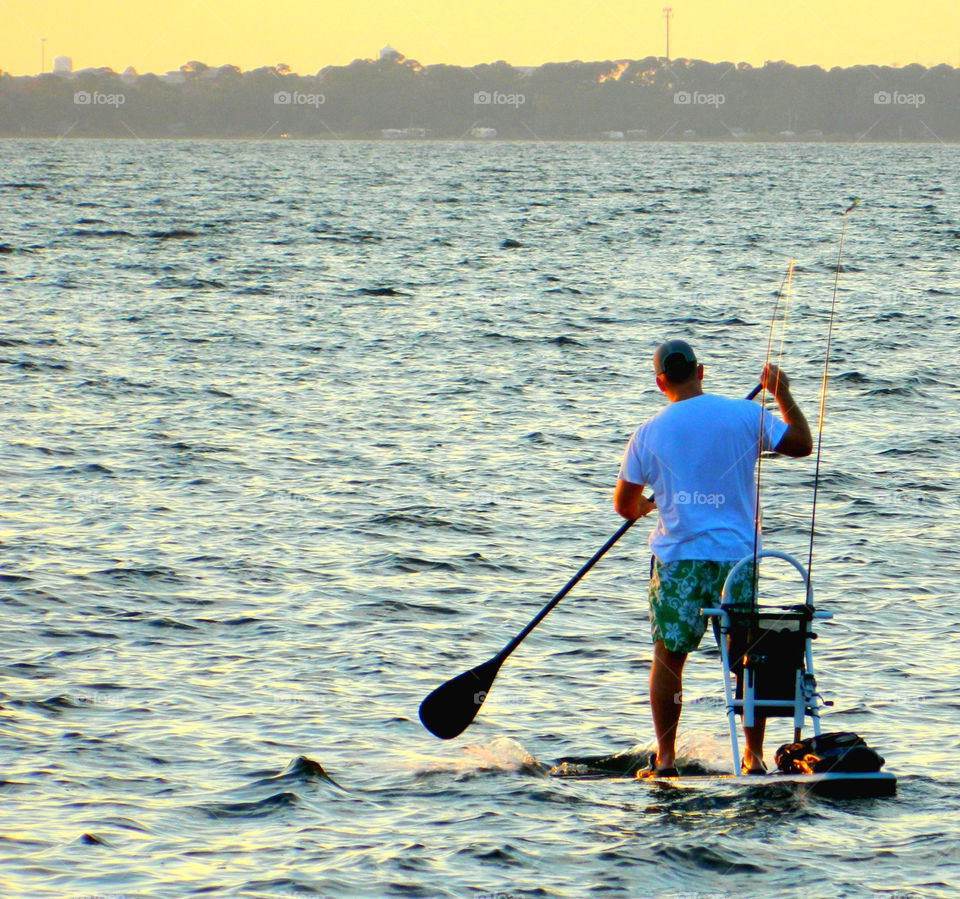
698	456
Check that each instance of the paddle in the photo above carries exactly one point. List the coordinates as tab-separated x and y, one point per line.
449	710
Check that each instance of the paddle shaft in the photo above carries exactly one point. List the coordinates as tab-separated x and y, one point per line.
452	706
516	641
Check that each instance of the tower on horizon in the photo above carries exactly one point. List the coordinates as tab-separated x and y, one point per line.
667	13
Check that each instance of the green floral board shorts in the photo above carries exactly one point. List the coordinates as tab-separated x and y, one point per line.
678	590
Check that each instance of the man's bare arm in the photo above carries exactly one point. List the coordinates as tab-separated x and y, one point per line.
629	501
797	440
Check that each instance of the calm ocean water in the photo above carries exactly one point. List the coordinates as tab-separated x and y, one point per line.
292	436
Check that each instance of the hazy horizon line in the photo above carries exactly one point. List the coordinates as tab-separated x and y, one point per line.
404	58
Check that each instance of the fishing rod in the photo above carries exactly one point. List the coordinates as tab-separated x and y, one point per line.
823	387
782	294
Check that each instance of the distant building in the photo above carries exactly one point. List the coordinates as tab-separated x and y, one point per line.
612	135
62	65
407	133
483	132
389	53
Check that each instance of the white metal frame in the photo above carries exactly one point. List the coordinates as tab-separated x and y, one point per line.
805	700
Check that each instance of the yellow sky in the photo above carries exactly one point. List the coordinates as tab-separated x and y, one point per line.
309	34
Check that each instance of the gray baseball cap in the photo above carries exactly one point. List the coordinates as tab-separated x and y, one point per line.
675	359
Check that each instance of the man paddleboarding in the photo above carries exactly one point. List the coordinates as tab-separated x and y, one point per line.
698	457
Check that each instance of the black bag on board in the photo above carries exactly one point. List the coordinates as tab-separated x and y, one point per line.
835	752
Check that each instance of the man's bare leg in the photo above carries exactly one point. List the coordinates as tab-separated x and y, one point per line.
753	737
666	673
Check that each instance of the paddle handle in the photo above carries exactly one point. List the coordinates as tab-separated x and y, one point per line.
516	641
754	392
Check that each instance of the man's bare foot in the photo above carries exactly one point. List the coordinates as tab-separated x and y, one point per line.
663	760
657	768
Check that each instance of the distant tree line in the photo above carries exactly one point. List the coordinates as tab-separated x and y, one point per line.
392	96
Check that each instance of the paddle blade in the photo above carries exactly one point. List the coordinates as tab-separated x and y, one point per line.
448	710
